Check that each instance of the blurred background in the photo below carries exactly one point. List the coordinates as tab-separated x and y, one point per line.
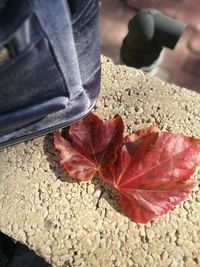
180	66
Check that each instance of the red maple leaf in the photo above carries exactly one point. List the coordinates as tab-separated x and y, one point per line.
94	144
149	169
151	172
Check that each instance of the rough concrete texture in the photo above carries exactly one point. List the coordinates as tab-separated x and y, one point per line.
72	224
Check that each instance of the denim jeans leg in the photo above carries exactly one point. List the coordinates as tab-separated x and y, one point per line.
53	78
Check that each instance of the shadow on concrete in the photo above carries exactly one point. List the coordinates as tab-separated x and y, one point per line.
110	194
107	192
52	157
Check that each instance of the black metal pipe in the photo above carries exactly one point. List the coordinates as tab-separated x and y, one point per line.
149	32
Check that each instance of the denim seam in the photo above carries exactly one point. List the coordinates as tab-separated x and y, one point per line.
94	72
77	94
54	57
76	18
85	22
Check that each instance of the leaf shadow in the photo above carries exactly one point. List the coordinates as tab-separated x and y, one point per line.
107	192
52	157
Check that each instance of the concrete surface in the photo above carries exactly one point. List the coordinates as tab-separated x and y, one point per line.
72	224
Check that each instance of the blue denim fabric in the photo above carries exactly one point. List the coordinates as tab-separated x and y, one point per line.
53	76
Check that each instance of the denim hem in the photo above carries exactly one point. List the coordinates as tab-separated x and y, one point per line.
47	125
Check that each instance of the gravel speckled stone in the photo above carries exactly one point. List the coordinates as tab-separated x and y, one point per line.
79	224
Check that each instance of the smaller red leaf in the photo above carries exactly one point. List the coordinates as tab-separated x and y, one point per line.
77	165
94	144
